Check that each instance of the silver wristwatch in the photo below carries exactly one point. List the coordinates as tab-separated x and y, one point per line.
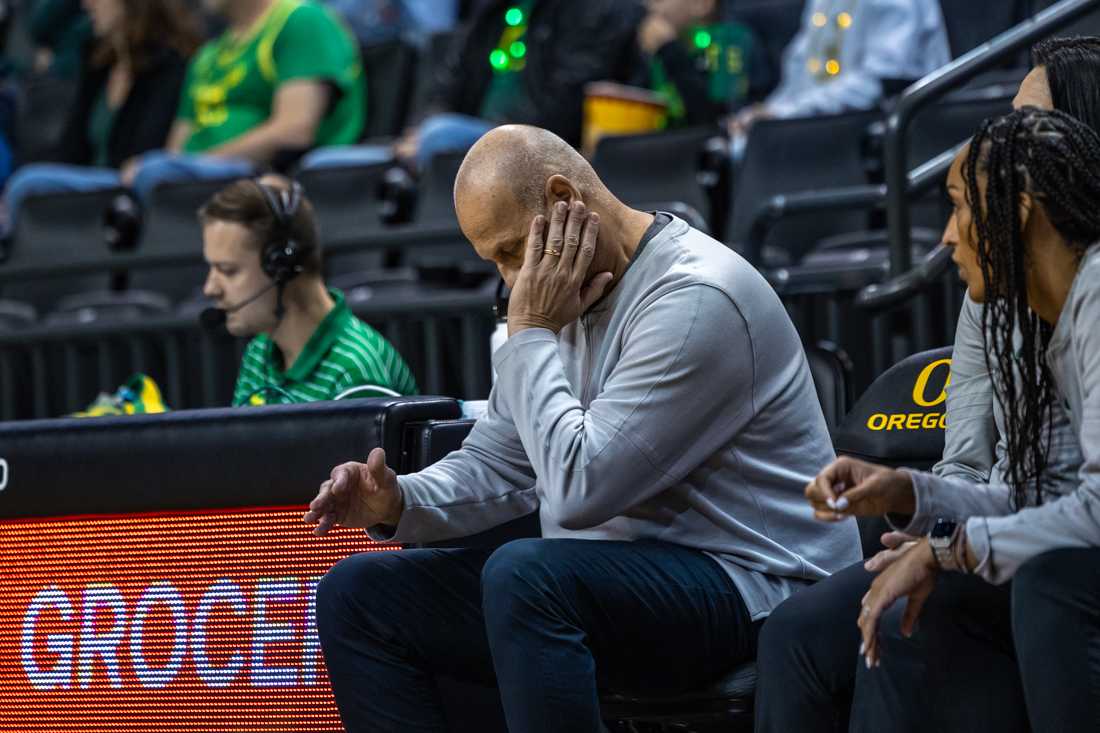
942	541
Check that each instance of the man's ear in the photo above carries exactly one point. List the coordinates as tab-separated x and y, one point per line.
560	188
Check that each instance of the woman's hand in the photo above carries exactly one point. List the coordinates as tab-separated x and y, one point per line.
913	577
897	544
852	488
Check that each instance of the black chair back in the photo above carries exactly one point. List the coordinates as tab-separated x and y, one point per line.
435	201
970	24
57	230
390	70
791	156
899	421
832	373
347	201
661	166
171	230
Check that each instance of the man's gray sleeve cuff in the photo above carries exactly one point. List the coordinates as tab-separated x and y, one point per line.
405	531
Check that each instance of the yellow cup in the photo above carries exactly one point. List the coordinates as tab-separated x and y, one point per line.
617	109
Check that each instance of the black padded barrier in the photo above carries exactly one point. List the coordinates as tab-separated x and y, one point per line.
197	459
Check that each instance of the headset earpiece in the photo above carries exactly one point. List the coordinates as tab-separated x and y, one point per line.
282	255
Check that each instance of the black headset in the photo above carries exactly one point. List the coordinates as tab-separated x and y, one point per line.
283	256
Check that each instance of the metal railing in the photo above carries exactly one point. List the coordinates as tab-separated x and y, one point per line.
937	85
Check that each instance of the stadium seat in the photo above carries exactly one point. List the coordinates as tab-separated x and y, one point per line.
171	232
970	24
56	231
941	127
108	307
433	53
898	421
832	373
910	396
661	166
347	201
14	315
435	198
390	70
44	103
775	24
789	156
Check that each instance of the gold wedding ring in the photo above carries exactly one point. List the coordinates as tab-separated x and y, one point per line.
552	252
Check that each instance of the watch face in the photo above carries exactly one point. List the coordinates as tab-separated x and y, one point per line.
943	528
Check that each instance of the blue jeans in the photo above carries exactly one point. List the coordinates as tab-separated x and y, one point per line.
548	621
447	133
37	179
342	156
160	166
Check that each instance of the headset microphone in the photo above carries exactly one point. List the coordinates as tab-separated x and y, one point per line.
214	318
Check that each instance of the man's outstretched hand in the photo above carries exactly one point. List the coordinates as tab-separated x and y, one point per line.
357	495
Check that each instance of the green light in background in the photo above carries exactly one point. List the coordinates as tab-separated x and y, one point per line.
518	49
514	16
702	39
499	60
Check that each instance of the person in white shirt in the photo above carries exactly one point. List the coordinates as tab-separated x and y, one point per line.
846	50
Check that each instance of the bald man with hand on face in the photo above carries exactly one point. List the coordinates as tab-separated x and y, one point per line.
654	405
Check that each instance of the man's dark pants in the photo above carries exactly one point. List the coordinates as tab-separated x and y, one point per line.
548	621
984	658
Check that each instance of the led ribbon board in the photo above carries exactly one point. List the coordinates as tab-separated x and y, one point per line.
183	621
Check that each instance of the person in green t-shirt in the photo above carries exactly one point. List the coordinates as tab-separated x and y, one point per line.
285	76
306	344
698	61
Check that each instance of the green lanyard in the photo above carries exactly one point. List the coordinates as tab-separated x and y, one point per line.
510	54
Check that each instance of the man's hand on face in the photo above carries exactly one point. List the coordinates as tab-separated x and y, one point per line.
551	291
357	495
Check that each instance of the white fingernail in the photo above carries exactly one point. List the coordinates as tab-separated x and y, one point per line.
842	503
867	661
862	647
831	503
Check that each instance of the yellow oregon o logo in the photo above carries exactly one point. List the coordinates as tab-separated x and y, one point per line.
922	385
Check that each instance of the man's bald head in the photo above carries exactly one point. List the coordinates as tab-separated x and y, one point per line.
512	174
520	159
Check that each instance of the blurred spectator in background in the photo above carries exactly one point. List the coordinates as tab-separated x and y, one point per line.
261	243
60	30
126	100
700	62
525	61
284	77
848	52
376	21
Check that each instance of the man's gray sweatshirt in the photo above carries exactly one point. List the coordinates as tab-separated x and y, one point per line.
680	409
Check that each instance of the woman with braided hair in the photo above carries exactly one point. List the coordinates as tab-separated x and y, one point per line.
807	679
1008	602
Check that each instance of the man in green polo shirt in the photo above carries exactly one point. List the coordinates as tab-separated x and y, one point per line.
286	75
306	343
